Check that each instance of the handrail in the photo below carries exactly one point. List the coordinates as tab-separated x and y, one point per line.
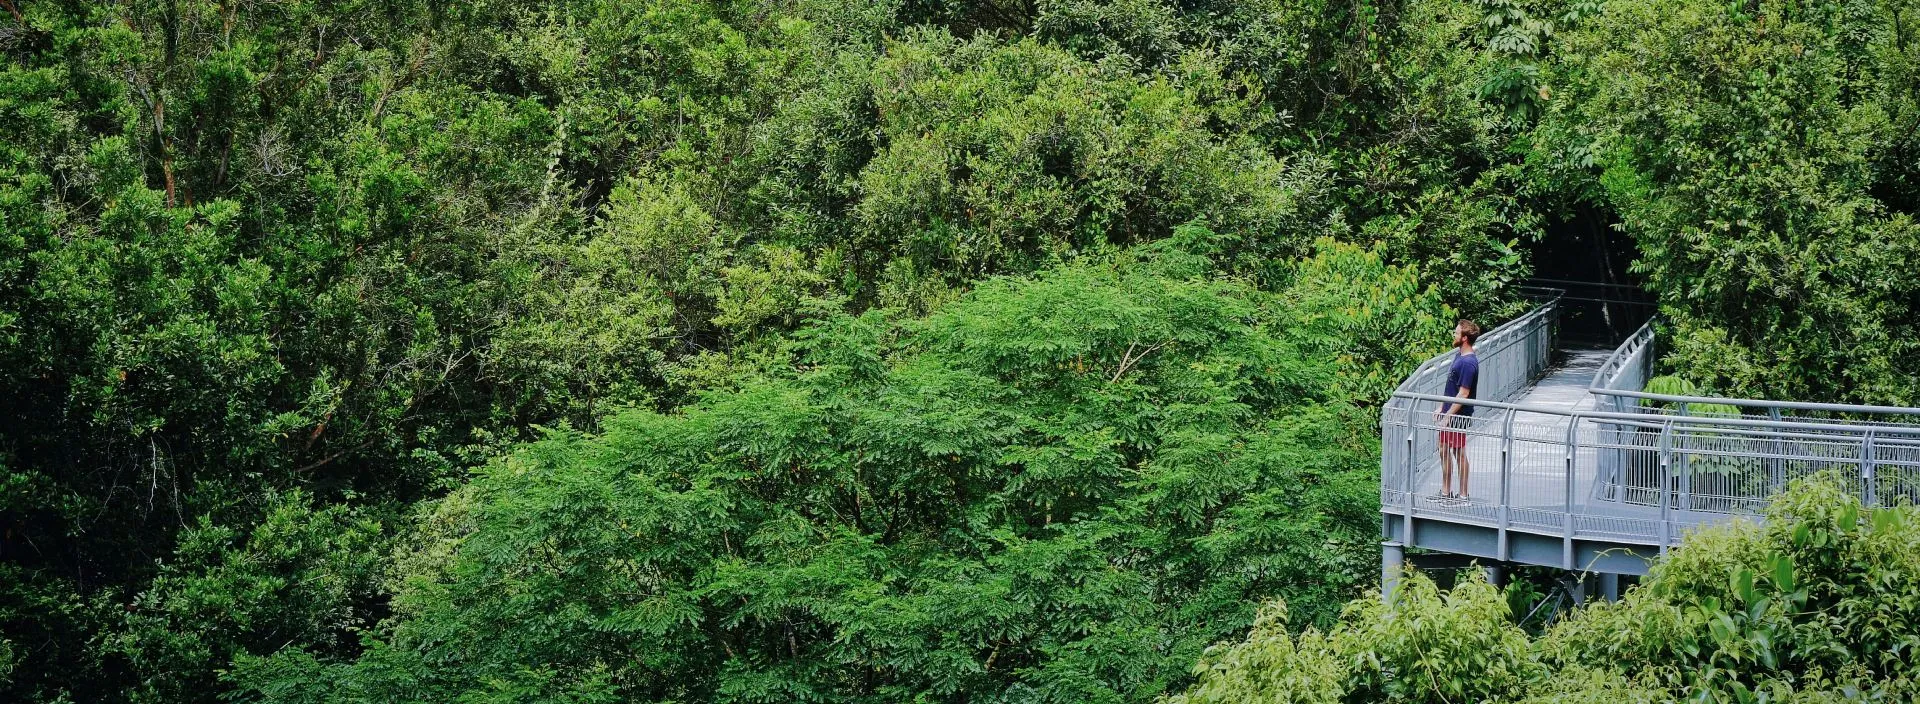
1608	368
1645	335
1510	353
1497	338
1765	403
1642	418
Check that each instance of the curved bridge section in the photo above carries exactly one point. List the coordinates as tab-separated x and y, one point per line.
1572	464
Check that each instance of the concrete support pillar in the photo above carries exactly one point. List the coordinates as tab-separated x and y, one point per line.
1393	560
1496	575
1610	587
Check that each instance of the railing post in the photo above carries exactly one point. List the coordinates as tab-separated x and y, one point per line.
1553	328
1406	499
1686	472
1610	462
1776	465
1566	539
1868	495
1506	481
1666	483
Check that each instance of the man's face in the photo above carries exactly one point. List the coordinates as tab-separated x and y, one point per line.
1459	336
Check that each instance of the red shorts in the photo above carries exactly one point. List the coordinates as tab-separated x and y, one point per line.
1454	438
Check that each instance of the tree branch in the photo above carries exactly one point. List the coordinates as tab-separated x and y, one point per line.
1127	359
330	458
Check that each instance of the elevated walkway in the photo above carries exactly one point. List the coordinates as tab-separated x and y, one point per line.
1573	465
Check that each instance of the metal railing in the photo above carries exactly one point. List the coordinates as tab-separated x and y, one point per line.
1738	469
1623	378
1638	469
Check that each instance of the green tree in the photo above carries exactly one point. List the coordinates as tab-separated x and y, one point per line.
1750	150
303	575
1057	488
1390	95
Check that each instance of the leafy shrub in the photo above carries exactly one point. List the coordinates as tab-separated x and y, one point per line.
1816	604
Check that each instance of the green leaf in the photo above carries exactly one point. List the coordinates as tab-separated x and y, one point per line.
1782	569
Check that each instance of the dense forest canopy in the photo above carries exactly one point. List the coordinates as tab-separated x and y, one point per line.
850	527
688	350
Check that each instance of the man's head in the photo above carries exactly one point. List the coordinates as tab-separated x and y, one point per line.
1465	332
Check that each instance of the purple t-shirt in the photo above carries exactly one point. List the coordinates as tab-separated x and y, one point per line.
1465	372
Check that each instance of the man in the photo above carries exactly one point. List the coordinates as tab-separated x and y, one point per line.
1453	418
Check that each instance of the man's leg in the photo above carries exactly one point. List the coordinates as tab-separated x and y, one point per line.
1462	462
1446	466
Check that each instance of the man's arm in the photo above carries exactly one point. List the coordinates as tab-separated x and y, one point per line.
1465	392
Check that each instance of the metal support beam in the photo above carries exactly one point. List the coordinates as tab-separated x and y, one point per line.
1610	587
1393	559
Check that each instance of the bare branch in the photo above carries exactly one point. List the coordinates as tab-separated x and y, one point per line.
1128	359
